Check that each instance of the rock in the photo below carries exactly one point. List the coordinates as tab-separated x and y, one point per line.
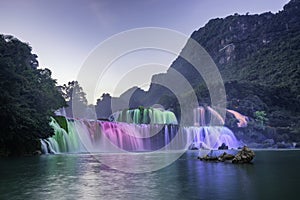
246	155
223	146
225	156
219	155
208	158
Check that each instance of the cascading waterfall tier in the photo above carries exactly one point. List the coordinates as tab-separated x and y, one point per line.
145	116
76	136
211	137
204	116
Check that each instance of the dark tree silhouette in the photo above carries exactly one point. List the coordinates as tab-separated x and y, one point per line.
28	97
75	98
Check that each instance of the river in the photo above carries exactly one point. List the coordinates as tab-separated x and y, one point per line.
274	174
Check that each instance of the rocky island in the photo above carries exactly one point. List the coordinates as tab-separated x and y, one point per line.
245	155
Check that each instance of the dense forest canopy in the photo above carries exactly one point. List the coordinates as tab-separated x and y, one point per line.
28	97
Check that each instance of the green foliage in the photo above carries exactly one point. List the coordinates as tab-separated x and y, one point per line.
28	97
261	117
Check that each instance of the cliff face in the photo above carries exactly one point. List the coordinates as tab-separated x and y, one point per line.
262	48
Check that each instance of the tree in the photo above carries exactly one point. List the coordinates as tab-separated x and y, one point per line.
75	98
73	91
103	106
261	117
28	97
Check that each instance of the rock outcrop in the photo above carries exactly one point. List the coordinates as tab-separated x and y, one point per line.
223	146
246	155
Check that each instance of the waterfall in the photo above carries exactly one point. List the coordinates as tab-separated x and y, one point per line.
243	120
220	119
145	116
201	117
211	137
105	136
44	147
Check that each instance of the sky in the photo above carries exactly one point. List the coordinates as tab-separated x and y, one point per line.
63	33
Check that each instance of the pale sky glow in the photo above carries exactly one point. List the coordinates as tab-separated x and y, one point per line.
63	32
137	69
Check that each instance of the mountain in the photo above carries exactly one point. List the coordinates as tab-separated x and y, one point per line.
258	57
262	48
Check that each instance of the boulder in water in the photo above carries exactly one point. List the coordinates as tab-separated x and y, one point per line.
208	158
225	156
246	155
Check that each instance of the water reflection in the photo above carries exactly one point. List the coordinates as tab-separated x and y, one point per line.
74	176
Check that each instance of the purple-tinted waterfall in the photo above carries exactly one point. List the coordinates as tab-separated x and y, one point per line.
104	136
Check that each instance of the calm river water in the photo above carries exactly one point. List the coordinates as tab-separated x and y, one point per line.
274	174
